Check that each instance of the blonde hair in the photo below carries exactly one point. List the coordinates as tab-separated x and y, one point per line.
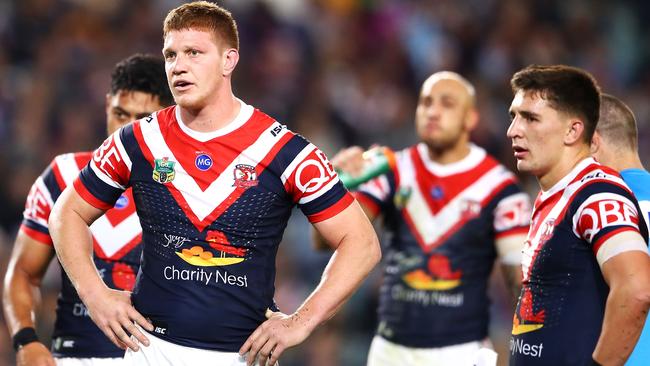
203	15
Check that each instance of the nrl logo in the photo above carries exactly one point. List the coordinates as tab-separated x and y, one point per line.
245	176
163	172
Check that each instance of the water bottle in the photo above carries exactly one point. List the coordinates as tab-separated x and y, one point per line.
377	161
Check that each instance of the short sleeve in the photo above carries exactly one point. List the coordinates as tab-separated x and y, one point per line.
312	183
107	174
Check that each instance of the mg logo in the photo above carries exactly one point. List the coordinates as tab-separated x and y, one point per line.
203	162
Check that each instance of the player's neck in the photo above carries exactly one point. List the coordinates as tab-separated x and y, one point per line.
563	167
628	161
213	116
450	155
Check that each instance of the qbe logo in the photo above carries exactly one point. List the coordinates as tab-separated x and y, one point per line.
203	162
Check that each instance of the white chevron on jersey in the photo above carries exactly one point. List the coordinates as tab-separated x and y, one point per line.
113	238
110	238
544	225
68	167
203	203
432	227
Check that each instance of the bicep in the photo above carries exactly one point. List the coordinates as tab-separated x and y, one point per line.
71	205
352	221
624	259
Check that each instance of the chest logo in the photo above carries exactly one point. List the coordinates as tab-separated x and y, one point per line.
203	162
547	230
245	176
440	277
163	171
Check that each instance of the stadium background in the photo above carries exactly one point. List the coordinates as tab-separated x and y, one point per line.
339	72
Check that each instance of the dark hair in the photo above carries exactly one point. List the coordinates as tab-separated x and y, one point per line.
144	73
204	15
617	123
567	89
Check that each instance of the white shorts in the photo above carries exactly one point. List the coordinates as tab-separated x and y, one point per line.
163	353
69	361
386	353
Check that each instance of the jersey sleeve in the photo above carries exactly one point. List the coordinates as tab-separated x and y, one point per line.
107	174
606	210
38	205
310	180
512	213
375	193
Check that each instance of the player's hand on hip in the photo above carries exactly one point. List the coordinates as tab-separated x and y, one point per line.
273	337
349	160
34	354
117	318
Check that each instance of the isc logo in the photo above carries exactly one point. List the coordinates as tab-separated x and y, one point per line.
277	129
160	330
203	162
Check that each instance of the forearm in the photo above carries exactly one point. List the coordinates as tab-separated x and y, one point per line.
19	299
350	264
625	314
73	243
70	232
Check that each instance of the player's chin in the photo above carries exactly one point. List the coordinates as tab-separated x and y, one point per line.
187	101
523	166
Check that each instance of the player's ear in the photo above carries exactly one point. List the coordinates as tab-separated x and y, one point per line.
230	59
574	132
471	119
595	143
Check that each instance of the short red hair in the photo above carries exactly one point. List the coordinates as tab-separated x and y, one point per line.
206	16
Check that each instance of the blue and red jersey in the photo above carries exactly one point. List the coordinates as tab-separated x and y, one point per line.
116	241
443	222
559	316
213	208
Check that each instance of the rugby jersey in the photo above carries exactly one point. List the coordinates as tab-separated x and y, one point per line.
116	243
443	221
213	208
559	316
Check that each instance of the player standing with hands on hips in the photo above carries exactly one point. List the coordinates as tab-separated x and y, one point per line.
585	291
214	181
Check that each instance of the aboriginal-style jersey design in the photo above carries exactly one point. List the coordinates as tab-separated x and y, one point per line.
116	240
213	207
443	222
